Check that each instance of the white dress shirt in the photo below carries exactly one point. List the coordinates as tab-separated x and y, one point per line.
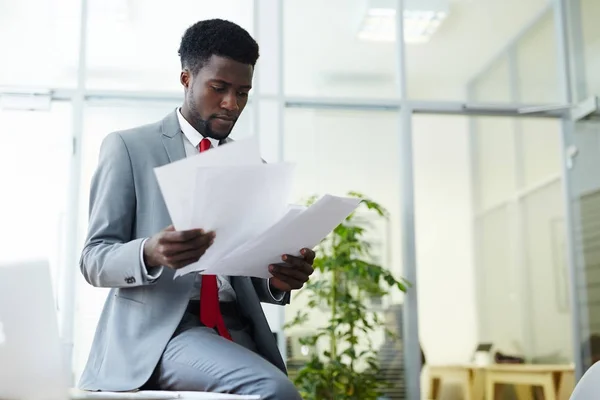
191	141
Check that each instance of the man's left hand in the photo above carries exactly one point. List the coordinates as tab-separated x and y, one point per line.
293	272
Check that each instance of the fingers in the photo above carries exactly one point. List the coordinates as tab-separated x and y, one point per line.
284	271
294	272
183	259
194	255
298	263
285	284
183	236
178	249
308	254
168	248
280	284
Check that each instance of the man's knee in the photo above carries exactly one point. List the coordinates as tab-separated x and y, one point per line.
279	388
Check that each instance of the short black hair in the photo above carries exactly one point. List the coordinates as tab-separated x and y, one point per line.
216	37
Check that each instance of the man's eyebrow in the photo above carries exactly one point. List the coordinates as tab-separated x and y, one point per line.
221	81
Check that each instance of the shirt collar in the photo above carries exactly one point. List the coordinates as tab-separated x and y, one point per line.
191	133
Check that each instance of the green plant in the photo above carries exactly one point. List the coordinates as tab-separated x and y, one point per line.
346	277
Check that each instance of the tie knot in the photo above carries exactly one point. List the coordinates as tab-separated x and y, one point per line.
204	145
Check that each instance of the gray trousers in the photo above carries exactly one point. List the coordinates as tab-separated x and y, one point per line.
198	359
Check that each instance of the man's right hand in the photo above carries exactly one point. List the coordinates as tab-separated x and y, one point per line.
176	249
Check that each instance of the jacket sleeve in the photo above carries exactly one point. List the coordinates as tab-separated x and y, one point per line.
266	295
110	257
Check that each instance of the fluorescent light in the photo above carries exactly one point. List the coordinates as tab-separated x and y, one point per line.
379	25
419	26
421	21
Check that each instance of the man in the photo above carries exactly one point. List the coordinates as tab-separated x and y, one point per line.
193	333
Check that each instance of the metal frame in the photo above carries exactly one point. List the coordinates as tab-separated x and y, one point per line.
256	101
566	86
67	289
281	143
520	241
405	108
410	312
577	71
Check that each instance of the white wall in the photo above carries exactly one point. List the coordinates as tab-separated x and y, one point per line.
446	275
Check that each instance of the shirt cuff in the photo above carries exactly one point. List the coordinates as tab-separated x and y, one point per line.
276	294
148	276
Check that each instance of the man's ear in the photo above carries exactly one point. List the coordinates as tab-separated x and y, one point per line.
185	78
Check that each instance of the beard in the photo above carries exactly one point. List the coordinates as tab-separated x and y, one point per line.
203	125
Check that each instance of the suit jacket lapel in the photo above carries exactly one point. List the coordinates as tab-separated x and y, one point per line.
172	137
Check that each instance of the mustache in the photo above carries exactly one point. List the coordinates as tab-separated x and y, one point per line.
229	117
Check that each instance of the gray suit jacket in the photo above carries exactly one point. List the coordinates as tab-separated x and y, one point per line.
140	317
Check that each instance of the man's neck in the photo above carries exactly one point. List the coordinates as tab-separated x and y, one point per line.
188	116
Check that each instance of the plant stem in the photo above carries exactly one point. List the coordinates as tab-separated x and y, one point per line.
352	327
334	295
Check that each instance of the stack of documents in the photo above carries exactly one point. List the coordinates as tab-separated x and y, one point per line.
231	191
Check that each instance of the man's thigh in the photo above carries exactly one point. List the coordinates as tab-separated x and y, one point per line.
197	359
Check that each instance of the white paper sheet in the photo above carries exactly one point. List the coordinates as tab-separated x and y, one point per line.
230	190
177	180
304	229
238	203
76	394
215	396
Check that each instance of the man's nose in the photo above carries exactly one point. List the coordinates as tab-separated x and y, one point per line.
230	102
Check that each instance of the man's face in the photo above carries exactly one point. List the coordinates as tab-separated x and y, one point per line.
216	95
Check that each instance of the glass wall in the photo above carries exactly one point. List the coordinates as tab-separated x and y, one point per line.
520	240
491	253
333	154
583	34
133	44
46	52
447	301
35	149
328	60
482	33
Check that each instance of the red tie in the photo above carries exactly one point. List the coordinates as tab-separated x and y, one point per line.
210	311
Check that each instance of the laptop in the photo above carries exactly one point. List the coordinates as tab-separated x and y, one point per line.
31	367
31	364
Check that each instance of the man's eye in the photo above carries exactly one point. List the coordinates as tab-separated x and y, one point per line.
218	89
243	94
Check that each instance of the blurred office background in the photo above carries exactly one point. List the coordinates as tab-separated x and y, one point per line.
488	105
